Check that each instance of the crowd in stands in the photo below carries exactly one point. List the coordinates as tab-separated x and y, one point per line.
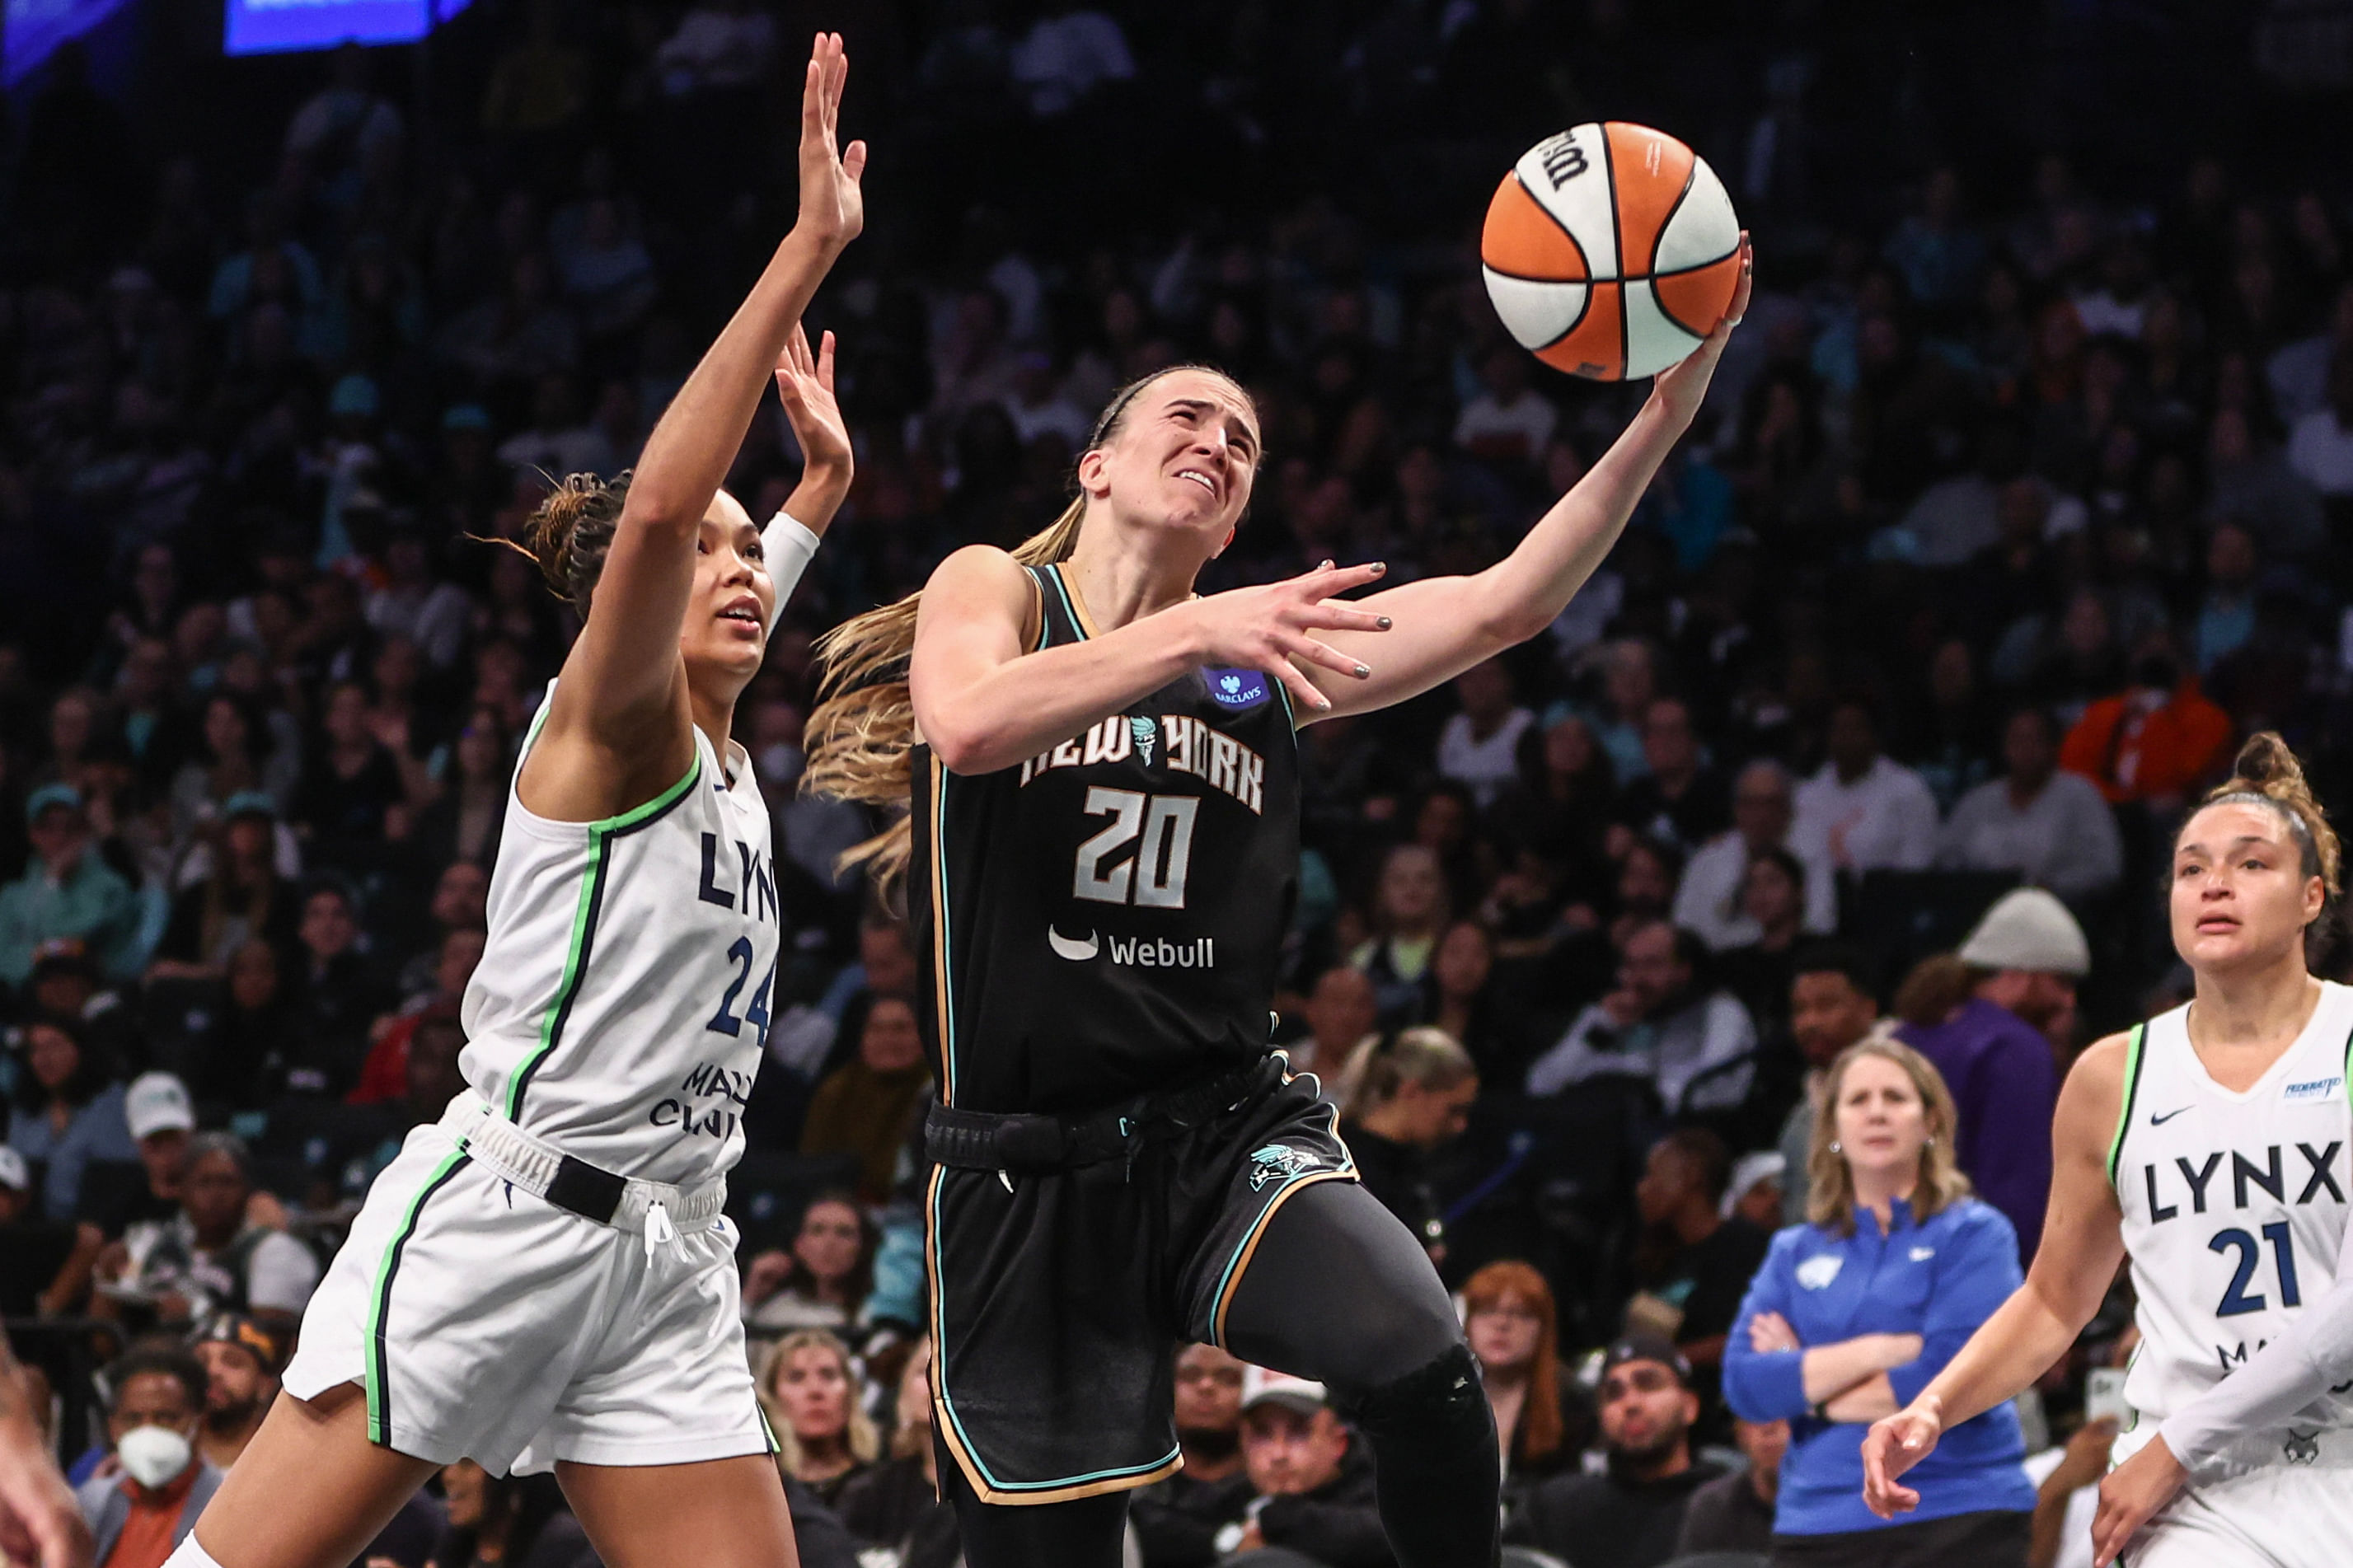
2023	490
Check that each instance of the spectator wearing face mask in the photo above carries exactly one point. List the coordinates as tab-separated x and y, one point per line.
240	1359
143	1505
1176	1519
1630	1515
1310	1483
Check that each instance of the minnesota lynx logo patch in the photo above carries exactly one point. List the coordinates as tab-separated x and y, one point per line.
1279	1163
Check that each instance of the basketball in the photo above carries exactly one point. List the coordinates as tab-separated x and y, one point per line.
1611	250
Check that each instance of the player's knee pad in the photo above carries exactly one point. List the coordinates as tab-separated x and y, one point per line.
1441	1404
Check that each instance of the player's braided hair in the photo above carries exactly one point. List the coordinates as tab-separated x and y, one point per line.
859	738
569	533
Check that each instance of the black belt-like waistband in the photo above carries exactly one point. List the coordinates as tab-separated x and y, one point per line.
586	1190
1033	1141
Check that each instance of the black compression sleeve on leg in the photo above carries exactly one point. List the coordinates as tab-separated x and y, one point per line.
1340	1291
1436	1464
1084	1532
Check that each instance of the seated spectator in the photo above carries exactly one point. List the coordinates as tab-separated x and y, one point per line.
1628	1515
336	995
1831	1006
349	782
1735	1512
1176	1519
810	1392
1479	747
67	891
143	1502
2154	742
69	1112
212	1255
1836	1333
1542	1418
1696	1046
1864	811
1692	1264
1986	1017
383	1075
1773	899
460	901
868	1106
231	761
1754	1194
517	1520
896	1507
1340	1012
464	822
1509	421
1310	1483
1564	798
1680	799
2051	828
1712	898
162	1118
824	1280
1463	1002
245	1038
241	898
1408	913
45	1265
1402	1095
241	1361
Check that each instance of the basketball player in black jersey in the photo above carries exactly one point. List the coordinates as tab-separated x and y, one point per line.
1101	860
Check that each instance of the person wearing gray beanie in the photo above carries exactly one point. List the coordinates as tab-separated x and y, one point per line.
1996	1047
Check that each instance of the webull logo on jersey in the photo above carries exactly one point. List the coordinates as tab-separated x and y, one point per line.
1191	747
1279	1163
1137	952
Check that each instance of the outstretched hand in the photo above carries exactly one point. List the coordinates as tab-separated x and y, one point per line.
1893	1445
804	383
1681	387
1269	628
833	203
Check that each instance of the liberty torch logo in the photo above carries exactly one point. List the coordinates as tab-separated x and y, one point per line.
1280	1162
1146	736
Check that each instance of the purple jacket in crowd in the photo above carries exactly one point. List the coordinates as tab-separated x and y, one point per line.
2005	1083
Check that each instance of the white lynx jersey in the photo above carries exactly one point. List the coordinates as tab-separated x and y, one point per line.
2234	1208
622	994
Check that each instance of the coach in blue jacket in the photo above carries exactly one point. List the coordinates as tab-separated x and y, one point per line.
1856	1309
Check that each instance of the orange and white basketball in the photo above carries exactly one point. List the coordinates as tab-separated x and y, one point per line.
1611	250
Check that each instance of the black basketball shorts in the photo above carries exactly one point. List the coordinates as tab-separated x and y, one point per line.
1059	1301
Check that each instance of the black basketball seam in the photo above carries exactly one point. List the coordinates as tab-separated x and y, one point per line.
1609	167
1658	303
1584	308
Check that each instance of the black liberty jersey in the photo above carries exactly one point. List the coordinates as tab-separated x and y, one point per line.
1105	919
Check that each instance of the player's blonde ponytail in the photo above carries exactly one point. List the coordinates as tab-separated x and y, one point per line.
2267	773
860	736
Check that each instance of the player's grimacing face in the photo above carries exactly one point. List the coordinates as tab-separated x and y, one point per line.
2238	891
1185	455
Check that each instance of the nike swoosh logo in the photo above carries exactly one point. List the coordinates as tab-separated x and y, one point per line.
2156	1120
1070	947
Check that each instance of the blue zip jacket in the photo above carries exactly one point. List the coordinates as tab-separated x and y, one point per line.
1940	1280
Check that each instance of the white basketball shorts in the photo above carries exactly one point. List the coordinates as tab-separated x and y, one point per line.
2294	1513
485	1323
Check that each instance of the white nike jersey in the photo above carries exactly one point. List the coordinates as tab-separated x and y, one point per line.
623	995
2234	1208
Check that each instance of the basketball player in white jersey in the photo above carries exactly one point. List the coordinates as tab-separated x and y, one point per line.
2209	1145
545	1278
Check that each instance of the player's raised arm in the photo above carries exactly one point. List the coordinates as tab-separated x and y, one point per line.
2083	1243
1443	626
623	679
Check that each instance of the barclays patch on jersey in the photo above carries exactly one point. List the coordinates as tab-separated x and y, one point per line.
1236	688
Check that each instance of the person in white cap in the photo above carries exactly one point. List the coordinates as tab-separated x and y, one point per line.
1311	1486
1994	1045
161	1116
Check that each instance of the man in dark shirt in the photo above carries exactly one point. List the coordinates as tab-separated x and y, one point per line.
1694	1262
1310	1482
1630	1516
1735	1513
1177	1519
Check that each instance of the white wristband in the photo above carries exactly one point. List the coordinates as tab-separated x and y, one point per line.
788	545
